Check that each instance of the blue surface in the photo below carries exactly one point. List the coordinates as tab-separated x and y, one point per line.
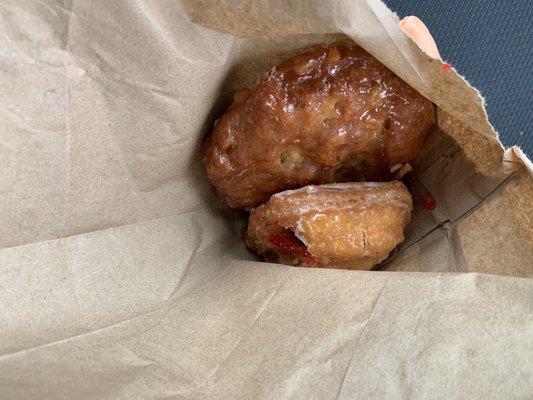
490	42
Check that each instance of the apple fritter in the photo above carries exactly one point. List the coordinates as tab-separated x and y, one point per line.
330	115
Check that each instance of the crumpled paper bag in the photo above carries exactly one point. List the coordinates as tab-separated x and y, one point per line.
122	278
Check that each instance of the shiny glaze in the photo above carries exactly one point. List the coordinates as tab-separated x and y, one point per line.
331	115
343	225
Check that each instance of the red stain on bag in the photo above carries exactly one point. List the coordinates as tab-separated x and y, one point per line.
428	202
446	67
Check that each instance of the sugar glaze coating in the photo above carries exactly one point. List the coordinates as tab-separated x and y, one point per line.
342	225
330	115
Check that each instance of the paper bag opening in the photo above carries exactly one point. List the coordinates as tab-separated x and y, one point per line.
122	278
460	168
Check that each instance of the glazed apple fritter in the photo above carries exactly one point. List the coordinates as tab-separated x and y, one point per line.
331	115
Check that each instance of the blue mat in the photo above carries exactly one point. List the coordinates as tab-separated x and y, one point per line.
490	42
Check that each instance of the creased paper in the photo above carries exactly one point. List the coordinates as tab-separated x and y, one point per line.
120	276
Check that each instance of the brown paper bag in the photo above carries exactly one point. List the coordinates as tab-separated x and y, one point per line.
122	278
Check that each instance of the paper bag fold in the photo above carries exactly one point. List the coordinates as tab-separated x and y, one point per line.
122	278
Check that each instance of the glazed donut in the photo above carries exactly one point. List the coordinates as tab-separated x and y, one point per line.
330	115
339	225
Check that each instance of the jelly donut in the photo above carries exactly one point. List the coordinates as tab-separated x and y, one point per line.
338	225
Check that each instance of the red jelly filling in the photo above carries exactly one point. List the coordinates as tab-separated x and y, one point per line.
287	243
